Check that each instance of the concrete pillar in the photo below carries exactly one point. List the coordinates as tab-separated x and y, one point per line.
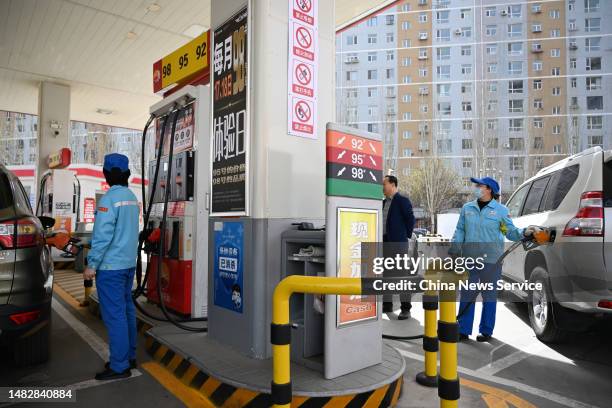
53	123
287	173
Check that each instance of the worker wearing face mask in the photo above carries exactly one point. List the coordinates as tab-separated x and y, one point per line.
481	228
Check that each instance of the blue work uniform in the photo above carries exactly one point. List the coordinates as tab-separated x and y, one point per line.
480	233
114	247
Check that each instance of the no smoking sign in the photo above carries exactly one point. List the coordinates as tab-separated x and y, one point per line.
303	78
304	10
302	117
303	42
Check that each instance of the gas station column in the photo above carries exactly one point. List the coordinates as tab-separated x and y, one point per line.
53	122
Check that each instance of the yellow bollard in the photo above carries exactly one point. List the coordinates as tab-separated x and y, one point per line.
281	330
429	377
448	333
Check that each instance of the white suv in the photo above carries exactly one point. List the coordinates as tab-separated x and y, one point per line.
573	197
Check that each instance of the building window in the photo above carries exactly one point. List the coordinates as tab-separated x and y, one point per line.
592	44
573	82
537	66
538	104
516	163
536	28
491	124
492	143
467	125
556	130
594	122
390	55
407	98
422	53
516	143
407	152
466	50
466	14
556	91
492	67
407	79
406	62
372	38
515	87
443	71
372	57
422	72
389	37
514	11
407	116
492	106
555	14
515	105
555	52
515	48
406	134
573	63
390	19
466	88
424	108
443	34
595	102
466	32
442	16
422	17
593	63
555	33
373	127
445	145
593	83
351	75
406	43
538	142
515	67
406	25
492	86
466	106
515	30
592	24
556	110
537	84
351	40
444	89
595	140
466	69
591	6
372	92
491	49
444	108
466	144
351	93
444	53
372	74
490	12
490	30
390	73
372	111
372	22
538	123
555	71
466	163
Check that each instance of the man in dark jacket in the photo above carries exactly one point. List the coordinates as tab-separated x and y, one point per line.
398	223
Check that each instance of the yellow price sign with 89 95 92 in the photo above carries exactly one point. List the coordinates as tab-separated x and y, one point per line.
186	61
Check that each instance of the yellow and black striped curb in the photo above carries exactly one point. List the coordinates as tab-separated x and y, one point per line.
226	395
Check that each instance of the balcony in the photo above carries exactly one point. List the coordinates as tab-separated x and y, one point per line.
573	46
351	59
423	36
536	48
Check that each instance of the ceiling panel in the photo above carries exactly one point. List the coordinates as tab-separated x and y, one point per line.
83	43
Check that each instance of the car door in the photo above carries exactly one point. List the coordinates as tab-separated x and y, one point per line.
510	268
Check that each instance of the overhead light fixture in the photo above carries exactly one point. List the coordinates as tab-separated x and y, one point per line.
194	30
131	35
153	7
102	111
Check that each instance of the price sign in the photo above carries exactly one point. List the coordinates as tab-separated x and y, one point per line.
190	59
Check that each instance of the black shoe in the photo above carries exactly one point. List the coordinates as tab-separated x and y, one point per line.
404	315
109	374
387	307
483	337
463	337
132	364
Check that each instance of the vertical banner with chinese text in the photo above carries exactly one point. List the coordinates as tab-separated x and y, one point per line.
229	144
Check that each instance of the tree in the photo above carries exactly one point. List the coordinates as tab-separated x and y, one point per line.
434	186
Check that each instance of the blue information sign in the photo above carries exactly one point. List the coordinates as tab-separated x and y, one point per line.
229	265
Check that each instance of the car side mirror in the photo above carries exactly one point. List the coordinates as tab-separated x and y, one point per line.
47	222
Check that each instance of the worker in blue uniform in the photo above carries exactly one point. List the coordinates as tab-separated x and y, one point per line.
112	261
481	228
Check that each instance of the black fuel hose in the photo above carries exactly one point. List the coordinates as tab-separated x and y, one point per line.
162	239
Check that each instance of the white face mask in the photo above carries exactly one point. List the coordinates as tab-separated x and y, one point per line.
477	192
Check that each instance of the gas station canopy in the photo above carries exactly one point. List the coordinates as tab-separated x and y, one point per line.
103	50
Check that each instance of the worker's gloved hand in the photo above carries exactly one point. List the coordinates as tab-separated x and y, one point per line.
531	230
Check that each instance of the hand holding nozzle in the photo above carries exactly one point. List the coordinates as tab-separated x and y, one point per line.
538	234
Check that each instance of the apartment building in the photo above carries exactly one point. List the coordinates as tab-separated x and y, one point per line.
498	89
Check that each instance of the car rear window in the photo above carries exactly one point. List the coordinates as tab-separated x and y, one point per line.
534	197
607	183
560	184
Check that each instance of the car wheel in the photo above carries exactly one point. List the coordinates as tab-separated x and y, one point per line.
33	349
541	309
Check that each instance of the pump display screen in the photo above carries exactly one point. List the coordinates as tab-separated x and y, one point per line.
230	130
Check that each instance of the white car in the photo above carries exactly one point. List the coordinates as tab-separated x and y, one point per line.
573	197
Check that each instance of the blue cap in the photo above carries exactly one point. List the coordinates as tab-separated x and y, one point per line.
116	160
487	181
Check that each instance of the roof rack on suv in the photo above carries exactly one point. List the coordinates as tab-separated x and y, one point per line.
590	150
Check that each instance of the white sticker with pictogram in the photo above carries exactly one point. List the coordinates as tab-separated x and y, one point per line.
302	68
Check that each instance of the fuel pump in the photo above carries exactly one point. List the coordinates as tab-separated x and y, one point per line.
176	214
